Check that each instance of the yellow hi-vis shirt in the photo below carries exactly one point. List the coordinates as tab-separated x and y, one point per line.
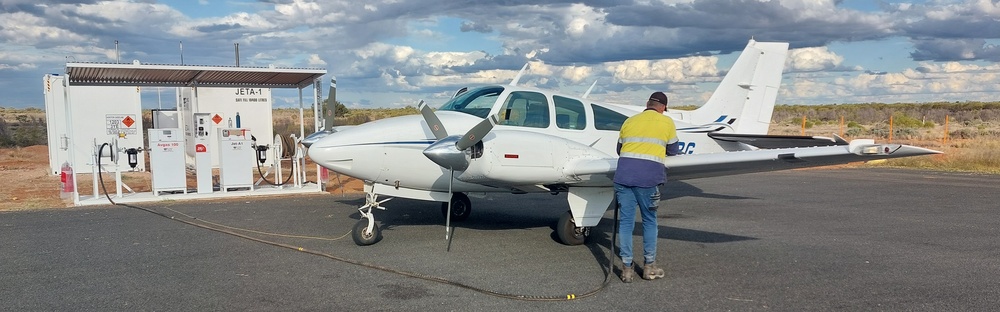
644	139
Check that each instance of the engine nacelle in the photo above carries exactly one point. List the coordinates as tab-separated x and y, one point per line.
526	158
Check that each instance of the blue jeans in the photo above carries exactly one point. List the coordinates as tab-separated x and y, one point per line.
628	198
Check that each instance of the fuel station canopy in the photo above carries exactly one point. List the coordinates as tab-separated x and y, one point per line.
152	75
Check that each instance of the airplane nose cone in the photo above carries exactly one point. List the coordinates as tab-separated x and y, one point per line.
318	153
446	154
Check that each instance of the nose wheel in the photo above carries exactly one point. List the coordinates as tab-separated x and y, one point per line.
366	232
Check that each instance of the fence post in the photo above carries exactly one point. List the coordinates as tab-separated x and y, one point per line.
890	128
944	138
841	126
803	125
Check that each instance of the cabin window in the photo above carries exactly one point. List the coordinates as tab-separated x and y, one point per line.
569	113
525	109
606	119
477	102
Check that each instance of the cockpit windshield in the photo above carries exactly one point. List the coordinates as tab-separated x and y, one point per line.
476	101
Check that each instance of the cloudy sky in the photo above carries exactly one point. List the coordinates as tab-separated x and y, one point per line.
393	53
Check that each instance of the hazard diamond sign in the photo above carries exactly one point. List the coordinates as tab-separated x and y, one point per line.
120	124
217	119
128	121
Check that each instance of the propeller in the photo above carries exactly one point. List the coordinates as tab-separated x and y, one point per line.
449	151
331	109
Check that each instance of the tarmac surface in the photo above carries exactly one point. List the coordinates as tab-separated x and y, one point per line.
830	239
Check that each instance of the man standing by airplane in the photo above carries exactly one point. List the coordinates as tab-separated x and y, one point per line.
643	144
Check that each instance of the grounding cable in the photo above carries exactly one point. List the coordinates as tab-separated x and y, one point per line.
201	223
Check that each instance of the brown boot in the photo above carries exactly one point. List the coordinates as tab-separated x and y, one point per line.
650	271
627	274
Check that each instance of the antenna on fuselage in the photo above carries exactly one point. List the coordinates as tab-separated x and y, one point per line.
585	94
519	74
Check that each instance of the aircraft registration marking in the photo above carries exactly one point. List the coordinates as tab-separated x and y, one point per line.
686	148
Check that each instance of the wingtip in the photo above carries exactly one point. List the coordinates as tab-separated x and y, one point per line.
910	150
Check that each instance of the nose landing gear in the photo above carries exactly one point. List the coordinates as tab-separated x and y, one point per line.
366	232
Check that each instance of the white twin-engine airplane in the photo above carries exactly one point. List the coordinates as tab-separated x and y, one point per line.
514	139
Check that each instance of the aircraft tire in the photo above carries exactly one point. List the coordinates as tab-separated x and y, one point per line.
461	207
364	239
568	232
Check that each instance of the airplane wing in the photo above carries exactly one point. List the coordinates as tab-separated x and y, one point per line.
739	162
778	141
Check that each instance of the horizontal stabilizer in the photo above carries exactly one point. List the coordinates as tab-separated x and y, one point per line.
778	141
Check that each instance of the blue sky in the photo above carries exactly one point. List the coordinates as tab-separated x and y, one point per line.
394	53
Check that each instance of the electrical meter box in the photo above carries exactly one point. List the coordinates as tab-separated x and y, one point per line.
236	158
167	160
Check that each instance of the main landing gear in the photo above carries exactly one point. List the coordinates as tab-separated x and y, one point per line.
461	207
569	233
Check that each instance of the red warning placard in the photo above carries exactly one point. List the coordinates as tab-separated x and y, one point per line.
128	121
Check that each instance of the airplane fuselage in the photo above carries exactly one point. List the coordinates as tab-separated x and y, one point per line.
529	147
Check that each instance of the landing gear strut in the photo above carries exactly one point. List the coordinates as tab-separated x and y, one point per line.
569	233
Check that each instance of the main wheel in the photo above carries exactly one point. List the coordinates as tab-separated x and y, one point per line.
568	232
461	207
362	237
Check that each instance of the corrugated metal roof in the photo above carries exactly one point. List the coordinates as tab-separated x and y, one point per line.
156	75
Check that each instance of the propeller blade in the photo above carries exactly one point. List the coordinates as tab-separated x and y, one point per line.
432	121
447	222
477	133
331	106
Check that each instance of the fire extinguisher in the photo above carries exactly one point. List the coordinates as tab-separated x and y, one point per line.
66	177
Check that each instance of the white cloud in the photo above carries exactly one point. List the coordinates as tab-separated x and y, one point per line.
812	59
298	10
315	61
684	70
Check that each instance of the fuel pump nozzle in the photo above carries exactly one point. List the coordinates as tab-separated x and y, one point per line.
261	149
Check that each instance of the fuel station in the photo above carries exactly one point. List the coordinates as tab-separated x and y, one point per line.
220	133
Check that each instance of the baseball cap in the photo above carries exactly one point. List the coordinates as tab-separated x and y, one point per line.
659	97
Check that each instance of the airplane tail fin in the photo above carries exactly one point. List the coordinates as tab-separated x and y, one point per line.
745	98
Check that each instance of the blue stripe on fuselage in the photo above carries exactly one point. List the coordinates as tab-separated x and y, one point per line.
426	142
